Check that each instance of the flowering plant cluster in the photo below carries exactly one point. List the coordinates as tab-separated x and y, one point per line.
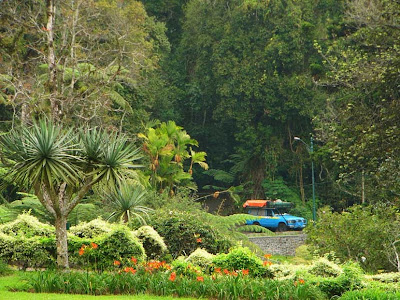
267	261
132	266
87	249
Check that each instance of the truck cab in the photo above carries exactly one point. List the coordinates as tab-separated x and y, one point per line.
271	215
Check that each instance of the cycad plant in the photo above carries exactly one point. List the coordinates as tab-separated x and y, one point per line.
61	166
126	202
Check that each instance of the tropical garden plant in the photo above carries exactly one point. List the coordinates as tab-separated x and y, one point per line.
167	147
126	202
62	165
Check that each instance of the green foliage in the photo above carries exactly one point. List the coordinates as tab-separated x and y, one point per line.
152	242
249	83
91	229
27	226
386	277
4	268
240	258
186	268
7	214
118	244
184	232
201	258
168	147
158	283
350	278
25	251
325	268
358	232
370	294
360	122
126	202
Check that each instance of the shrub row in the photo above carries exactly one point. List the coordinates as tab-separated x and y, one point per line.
26	242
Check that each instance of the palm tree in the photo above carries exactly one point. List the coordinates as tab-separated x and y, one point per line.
167	148
61	166
126	202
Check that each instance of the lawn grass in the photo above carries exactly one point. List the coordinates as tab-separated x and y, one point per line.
16	281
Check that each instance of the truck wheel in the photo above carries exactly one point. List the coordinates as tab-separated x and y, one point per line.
281	227
256	223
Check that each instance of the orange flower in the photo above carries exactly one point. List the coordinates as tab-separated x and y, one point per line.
117	263
245	272
200	278
82	249
130	269
134	260
267	256
226	271
199	240
301	281
234	273
218	270
172	277
94	245
267	263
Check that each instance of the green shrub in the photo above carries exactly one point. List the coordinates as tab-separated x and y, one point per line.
91	229
28	226
240	258
24	252
201	258
119	244
357	233
184	232
185	268
351	278
325	268
386	277
152	242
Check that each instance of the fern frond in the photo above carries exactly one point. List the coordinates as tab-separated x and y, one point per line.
254	229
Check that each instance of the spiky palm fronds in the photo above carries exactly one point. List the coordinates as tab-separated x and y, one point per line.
126	202
41	154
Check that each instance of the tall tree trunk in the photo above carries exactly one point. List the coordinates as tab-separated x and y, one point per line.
62	244
51	58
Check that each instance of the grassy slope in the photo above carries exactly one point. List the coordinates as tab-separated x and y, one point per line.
15	280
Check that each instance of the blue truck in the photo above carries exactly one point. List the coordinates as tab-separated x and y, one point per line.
271	216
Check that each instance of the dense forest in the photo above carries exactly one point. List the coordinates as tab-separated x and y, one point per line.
214	92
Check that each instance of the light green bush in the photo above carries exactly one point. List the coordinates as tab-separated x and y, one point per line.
91	229
325	268
152	242
24	252
201	258
28	226
385	277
